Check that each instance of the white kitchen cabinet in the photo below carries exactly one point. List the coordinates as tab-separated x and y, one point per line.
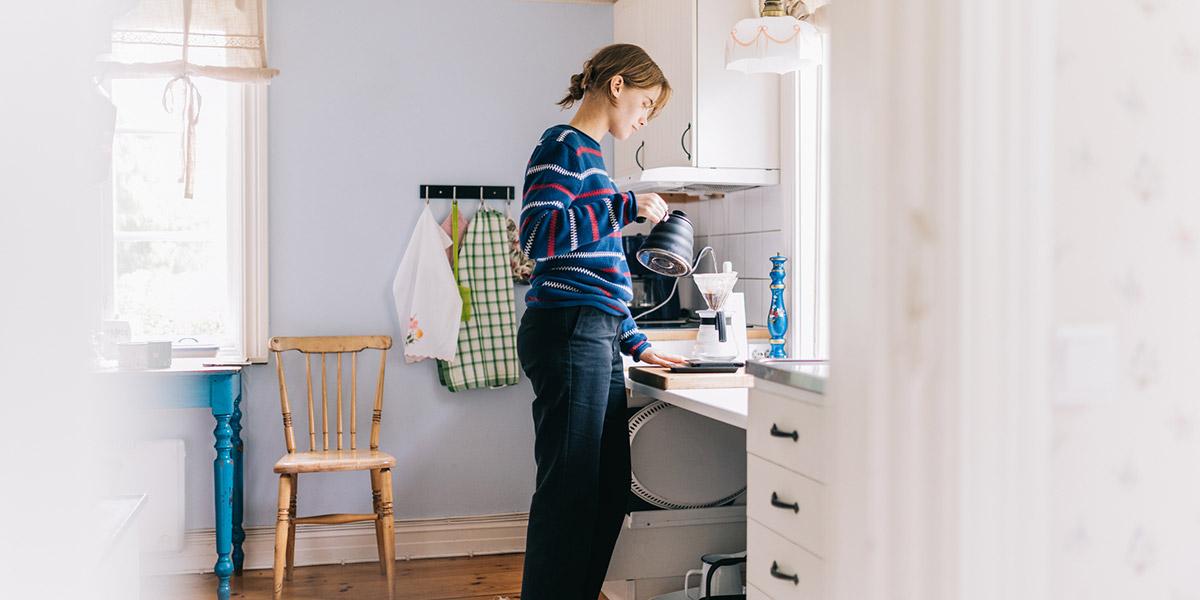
785	497
715	118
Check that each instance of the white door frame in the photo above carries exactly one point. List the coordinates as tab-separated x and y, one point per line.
940	299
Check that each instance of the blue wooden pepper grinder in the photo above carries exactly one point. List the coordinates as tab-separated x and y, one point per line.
777	314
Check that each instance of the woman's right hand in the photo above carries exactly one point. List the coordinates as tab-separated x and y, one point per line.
652	207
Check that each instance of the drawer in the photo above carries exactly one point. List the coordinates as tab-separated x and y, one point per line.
781	569
753	593
766	481
787	432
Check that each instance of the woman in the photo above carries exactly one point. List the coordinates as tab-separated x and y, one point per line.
577	324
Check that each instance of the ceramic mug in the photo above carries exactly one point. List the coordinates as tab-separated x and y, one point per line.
158	354
133	355
111	334
726	576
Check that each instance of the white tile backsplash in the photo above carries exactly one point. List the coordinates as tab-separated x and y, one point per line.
697	215
772	246
772	208
737	252
714	212
754	257
754	209
719	246
756	311
735	214
744	228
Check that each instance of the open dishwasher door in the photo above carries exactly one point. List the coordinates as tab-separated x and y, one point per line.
687	499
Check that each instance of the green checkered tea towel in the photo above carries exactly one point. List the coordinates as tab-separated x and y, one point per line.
487	344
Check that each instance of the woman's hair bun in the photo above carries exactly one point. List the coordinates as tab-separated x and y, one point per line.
626	60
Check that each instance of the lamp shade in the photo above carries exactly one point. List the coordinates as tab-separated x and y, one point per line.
773	45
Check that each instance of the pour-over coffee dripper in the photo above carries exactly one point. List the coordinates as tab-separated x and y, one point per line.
715	287
711	339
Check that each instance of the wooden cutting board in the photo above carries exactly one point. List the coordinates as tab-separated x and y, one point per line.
663	379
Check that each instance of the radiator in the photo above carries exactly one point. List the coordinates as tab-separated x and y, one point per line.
155	468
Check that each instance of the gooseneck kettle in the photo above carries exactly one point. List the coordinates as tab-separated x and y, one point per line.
668	248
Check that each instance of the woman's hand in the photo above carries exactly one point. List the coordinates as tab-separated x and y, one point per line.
652	207
662	359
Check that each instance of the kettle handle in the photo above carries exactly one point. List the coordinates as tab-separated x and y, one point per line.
721	326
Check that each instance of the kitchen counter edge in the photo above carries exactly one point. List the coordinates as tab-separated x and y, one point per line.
809	375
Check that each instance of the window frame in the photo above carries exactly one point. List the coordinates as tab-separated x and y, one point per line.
804	176
246	229
255	301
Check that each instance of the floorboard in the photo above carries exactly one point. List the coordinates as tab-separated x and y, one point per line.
459	578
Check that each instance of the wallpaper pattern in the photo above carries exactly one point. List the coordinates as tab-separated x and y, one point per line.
1127	216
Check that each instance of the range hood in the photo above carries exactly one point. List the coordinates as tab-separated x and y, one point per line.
697	180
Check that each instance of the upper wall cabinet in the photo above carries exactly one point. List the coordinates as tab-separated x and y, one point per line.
715	118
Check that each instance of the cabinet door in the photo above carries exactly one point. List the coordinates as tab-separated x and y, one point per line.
716	118
629	27
737	118
788	433
770	489
781	569
671	25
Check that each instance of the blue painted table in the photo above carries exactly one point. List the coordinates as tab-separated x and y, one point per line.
220	390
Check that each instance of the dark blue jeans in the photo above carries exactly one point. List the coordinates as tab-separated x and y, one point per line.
581	446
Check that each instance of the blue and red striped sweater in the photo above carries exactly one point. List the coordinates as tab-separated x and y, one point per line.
571	220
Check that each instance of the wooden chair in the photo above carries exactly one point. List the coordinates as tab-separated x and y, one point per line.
339	459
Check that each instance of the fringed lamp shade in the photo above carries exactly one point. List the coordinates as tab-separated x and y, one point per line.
773	43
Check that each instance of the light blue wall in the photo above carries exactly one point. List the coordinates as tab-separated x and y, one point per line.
374	99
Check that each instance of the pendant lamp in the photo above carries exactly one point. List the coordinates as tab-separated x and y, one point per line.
773	43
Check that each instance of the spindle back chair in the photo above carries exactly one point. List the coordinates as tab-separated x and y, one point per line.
339	458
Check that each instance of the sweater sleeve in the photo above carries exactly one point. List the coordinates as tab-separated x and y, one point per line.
633	341
558	215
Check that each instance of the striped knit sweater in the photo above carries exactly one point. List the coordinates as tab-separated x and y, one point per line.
571	220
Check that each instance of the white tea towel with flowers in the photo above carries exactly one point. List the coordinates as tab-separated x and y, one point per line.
427	300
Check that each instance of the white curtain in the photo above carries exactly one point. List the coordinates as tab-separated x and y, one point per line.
813	11
181	39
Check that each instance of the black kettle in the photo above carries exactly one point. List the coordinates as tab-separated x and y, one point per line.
668	248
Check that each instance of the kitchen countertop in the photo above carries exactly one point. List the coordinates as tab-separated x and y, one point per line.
727	405
807	375
689	333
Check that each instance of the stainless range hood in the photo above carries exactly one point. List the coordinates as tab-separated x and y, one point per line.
697	180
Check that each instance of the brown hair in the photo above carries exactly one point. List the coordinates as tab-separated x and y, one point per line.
627	60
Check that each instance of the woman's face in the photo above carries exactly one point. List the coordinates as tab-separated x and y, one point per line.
633	108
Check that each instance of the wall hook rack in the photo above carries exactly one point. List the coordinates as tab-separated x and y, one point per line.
467	192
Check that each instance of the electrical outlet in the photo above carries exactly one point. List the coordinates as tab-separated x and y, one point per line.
1084	364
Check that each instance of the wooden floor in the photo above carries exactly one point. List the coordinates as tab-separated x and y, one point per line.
463	578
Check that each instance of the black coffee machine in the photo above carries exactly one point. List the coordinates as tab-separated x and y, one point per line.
650	289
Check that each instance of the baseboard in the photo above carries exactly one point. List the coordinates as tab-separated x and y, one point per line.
353	542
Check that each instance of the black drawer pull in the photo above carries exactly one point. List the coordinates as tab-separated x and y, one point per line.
775	431
776	573
775	502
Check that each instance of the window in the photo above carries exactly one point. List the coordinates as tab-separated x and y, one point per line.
807	151
179	268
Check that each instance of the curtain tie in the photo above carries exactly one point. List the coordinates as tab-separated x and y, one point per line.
190	114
